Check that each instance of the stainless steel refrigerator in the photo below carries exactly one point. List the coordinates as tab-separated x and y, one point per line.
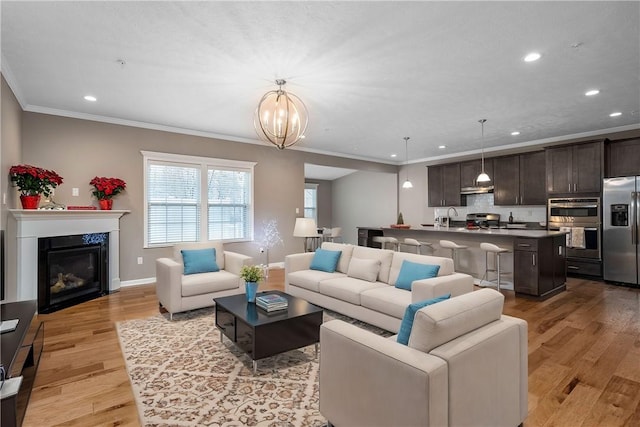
621	212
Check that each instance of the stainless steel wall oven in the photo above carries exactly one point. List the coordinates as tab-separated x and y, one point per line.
581	218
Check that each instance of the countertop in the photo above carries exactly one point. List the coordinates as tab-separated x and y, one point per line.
508	232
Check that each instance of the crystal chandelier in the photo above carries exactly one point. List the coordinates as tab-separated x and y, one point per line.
281	117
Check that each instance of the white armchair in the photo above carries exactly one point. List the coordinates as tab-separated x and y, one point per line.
466	364
178	292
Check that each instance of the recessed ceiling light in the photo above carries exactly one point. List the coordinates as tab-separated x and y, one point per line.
90	98
394	155
592	92
533	56
302	136
616	114
515	133
442	147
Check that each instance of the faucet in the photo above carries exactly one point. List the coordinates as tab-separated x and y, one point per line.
449	216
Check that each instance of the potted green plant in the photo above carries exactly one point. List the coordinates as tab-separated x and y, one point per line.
251	274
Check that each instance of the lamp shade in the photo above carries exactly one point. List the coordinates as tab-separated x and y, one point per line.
305	227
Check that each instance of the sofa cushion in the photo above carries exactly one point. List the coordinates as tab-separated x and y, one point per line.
204	283
383	255
309	279
216	244
347	288
199	260
387	299
440	323
365	269
409	315
446	264
345	258
325	260
411	271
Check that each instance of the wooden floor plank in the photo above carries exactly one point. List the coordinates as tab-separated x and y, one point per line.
584	349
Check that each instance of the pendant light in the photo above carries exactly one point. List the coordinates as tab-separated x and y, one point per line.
483	177
281	117
407	183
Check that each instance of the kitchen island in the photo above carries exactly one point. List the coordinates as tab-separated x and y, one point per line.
536	265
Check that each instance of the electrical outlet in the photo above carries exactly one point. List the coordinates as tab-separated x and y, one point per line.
297	211
140	260
75	191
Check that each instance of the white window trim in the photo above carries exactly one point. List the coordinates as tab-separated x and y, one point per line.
205	163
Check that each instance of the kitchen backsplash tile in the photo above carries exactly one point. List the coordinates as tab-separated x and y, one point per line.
484	203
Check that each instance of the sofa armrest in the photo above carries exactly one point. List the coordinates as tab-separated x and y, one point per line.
455	283
488	365
366	379
169	284
297	262
234	261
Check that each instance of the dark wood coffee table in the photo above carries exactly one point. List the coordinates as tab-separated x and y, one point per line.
261	334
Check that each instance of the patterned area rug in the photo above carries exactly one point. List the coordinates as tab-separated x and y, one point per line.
182	375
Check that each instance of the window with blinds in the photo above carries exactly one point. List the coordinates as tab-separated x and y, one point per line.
191	199
311	201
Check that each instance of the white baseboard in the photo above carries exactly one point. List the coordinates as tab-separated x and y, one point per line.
137	282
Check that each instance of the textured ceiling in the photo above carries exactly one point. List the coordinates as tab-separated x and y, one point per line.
370	73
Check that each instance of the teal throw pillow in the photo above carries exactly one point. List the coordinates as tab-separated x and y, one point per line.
199	261
325	260
411	271
410	314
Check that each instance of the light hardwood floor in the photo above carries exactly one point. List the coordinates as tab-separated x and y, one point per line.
584	358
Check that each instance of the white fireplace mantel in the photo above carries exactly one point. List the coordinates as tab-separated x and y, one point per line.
25	227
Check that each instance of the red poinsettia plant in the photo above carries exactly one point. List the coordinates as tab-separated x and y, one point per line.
106	188
32	180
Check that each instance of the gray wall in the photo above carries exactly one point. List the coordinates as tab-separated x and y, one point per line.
10	150
325	202
80	149
364	199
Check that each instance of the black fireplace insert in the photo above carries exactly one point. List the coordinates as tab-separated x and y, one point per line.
71	270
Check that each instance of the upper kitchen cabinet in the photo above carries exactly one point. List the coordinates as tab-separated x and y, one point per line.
575	169
444	185
469	171
623	158
517	180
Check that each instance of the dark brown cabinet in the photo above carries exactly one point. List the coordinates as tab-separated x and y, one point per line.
623	158
469	171
575	168
444	185
20	350
518	179
539	266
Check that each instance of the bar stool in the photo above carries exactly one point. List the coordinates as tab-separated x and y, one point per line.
448	244
387	241
497	251
415	244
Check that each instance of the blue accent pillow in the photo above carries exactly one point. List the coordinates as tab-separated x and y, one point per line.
410	314
411	271
199	260
325	260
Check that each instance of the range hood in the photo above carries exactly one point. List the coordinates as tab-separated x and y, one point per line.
477	190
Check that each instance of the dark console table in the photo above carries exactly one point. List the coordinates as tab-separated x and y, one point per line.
20	350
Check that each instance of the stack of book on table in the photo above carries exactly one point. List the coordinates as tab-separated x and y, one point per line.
272	302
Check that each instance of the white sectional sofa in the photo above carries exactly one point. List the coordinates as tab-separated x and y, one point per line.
465	365
178	292
350	291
